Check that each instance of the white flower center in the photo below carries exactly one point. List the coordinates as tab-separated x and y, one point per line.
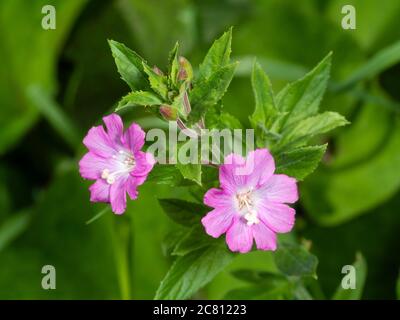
245	203
122	163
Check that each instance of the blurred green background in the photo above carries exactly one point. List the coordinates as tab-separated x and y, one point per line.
56	84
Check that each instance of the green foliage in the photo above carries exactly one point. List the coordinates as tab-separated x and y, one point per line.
360	267
191	272
294	260
138	98
182	212
130	66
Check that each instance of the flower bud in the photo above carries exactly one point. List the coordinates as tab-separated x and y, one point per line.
168	112
185	70
158	71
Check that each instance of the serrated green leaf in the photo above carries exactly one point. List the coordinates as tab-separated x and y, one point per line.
157	82
173	64
301	99
190	171
183	212
217	56
138	98
265	109
193	240
360	274
215	118
165	174
129	65
294	260
191	272
300	162
207	93
299	133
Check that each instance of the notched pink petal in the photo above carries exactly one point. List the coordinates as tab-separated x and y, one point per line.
260	165
230	176
217	222
217	198
134	138
100	191
239	237
91	166
98	142
281	188
265	238
277	216
144	163
118	196
131	188
115	127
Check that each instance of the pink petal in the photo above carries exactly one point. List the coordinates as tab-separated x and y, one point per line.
228	173
260	165
134	138
131	188
239	236
277	216
98	142
217	221
115	127
144	164
100	191
265	238
91	166
217	198
118	196
280	188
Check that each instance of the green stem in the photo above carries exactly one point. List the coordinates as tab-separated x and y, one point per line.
120	238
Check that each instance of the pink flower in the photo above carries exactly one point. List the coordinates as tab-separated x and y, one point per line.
116	162
251	205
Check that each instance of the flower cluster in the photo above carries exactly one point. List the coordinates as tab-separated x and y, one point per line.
251	203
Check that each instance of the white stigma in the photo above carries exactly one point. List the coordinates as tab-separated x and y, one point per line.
124	161
245	202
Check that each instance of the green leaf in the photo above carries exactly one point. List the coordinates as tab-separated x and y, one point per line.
193	240
138	98
338	195
217	56
258	277
165	174
208	92
191	272
13	227
301	99
157	82
54	114
301	132
183	212
294	260
129	65
190	171
381	61
21	40
215	118
360	268
300	162
173	64
265	109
